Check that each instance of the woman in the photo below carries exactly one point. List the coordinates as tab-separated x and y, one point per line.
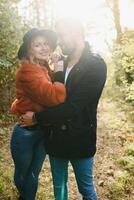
34	91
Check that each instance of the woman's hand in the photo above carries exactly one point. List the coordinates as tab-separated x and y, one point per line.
27	119
56	62
58	66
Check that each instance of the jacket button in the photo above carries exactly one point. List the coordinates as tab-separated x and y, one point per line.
63	127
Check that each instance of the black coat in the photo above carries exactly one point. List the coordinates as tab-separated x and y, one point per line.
73	133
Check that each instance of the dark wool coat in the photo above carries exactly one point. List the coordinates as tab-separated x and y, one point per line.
74	123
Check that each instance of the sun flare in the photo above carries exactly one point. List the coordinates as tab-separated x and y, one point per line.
82	9
95	15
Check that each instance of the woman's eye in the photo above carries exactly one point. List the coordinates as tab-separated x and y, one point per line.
37	44
40	45
45	44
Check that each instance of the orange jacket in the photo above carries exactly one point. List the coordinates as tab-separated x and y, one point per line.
34	89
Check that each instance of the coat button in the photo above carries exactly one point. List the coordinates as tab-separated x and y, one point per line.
63	127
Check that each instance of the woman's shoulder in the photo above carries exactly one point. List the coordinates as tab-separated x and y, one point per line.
31	71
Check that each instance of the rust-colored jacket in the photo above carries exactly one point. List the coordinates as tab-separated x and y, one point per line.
34	89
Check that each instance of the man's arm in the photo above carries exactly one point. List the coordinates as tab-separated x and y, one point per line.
89	88
58	77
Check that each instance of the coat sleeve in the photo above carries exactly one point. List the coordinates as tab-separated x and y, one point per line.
88	90
58	77
41	90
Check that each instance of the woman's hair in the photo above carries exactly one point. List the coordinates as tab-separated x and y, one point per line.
30	35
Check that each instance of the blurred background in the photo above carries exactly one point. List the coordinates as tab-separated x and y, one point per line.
109	28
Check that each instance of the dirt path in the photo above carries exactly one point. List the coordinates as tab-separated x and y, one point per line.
109	148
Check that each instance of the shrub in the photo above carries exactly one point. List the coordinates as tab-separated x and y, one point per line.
123	58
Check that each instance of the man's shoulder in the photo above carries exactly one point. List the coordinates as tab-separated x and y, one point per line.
94	65
95	60
90	56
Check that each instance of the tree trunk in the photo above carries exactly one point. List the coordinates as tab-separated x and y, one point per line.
114	7
116	15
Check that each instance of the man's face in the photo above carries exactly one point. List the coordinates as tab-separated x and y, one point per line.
66	39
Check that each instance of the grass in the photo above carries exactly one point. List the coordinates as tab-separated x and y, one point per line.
114	128
122	186
129	149
7	188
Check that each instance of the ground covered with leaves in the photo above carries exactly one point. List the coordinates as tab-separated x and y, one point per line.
114	162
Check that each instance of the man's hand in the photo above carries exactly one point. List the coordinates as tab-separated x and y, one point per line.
56	62
27	119
58	66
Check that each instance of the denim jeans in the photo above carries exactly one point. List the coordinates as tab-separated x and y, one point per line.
83	169
28	152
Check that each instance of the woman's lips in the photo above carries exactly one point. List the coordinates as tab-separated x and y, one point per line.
44	54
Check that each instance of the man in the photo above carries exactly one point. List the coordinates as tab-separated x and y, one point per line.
73	132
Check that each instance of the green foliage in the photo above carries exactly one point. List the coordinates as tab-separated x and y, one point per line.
2	186
11	31
124	184
122	187
127	162
129	149
123	58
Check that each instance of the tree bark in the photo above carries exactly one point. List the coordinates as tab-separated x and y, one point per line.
116	15
114	7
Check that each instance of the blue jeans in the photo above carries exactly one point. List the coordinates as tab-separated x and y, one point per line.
28	152
83	170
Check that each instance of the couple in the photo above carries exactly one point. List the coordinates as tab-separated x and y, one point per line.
54	120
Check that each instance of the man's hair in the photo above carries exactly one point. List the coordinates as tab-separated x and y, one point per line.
71	24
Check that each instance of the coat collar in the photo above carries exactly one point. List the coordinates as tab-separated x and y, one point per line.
84	59
85	54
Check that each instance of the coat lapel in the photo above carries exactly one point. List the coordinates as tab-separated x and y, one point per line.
75	71
72	74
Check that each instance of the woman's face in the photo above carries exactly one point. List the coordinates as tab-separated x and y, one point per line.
40	50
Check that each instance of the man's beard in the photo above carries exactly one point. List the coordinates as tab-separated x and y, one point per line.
68	51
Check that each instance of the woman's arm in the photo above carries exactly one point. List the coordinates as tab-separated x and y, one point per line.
38	86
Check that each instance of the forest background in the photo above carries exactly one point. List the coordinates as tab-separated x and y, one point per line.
109	28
